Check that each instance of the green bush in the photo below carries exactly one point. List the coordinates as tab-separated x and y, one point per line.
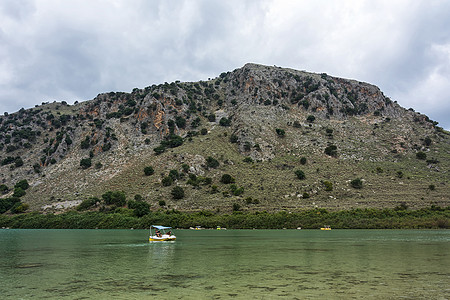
305	195
23	184
300	174
87	203
212	162
225	122
328	185
234	138
18	192
356	183
303	160
431	187
19	207
227	179
331	150
85	163
3	188
114	198
177	192
141	209
421	155
162	203
167	181
310	118
248	159
280	132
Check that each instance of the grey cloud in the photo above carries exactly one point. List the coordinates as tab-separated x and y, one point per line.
77	49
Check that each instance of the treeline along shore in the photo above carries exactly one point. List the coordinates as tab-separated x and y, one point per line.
433	217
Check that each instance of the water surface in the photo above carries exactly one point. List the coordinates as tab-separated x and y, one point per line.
238	264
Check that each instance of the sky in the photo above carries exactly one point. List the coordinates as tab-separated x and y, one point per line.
72	50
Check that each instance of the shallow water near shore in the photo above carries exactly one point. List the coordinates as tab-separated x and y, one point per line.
213	264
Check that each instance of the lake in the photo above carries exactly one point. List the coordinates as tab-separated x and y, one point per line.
225	264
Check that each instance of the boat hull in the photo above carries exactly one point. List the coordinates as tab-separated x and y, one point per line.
162	239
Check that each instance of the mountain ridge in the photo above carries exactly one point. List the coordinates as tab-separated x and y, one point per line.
257	122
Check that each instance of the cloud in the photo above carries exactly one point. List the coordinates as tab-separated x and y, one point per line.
73	50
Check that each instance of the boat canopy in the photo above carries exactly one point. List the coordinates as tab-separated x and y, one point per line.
159	227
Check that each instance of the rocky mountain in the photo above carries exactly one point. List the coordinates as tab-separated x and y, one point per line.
284	139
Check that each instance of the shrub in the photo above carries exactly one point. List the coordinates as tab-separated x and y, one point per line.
303	160
19	207
305	195
212	162
427	141
87	203
3	188
236	207
235	190
248	159
421	155
85	163
431	187
310	118
331	150
185	167
300	174
167	181
379	170
356	183
203	131
177	192
225	122
211	117
7	203
116	198
22	184
141	208
280	132
328	185
162	203
399	174
19	192
233	138
227	179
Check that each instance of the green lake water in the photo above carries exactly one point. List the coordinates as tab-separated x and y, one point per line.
225	264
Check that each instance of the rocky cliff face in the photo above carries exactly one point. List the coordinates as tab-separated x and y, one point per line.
269	115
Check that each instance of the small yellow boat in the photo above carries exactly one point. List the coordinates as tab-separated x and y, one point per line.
161	234
326	227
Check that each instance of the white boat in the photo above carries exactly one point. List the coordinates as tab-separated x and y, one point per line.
160	233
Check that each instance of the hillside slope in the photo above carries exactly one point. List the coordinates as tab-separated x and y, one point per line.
255	123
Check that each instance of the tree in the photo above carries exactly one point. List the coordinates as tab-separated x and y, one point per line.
177	192
148	171
300	174
141	208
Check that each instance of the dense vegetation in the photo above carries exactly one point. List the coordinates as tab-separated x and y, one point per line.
400	217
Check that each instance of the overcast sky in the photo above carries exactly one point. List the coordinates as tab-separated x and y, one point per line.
73	49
